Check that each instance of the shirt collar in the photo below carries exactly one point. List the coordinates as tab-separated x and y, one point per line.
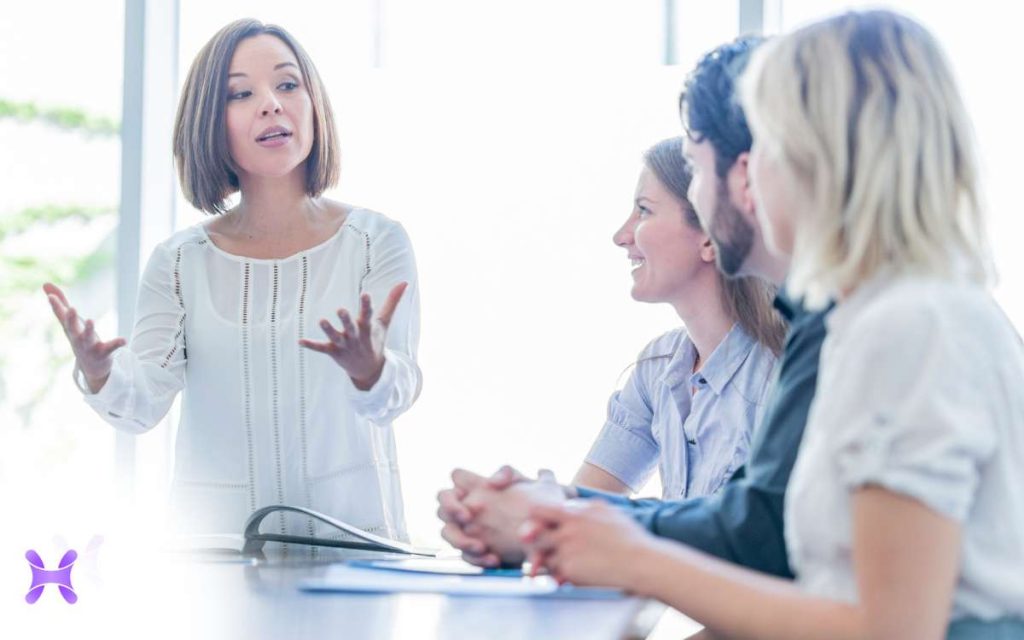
792	309
718	368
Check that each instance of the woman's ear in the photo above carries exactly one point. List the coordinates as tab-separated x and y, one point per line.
707	250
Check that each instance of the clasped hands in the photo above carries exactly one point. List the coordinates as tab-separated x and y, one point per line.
508	518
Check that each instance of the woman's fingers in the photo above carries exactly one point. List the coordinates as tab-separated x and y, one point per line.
90	351
451	507
321	347
394	297
58	307
455	536
53	290
550	515
333	334
365	315
112	346
543	539
89	333
529	530
346	323
467	480
72	325
546	562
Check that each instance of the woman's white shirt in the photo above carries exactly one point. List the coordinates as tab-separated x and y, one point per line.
263	420
920	391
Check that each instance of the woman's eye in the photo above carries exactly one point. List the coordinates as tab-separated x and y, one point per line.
288	85
239	95
643	211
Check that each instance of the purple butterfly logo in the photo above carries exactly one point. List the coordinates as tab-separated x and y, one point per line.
61	576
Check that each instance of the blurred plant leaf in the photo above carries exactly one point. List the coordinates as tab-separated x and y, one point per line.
21	274
19	222
67	118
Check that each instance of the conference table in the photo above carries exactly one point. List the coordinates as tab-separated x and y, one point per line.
147	594
263	600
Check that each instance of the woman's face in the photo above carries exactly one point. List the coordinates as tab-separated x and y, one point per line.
776	197
269	111
667	253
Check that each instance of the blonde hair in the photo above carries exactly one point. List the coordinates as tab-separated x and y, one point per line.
207	173
864	112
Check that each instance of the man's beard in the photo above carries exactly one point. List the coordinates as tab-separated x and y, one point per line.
732	235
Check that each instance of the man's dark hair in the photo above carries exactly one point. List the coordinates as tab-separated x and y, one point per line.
708	105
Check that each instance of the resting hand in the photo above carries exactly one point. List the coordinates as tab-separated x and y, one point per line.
455	514
586	543
359	348
458	517
94	356
497	514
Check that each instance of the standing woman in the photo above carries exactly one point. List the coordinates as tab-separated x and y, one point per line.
697	392
288	396
905	511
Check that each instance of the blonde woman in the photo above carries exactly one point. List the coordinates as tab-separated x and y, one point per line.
281	403
905	510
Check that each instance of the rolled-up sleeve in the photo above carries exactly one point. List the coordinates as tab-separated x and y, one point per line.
626	447
910	424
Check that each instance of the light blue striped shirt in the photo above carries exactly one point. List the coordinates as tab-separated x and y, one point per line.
695	427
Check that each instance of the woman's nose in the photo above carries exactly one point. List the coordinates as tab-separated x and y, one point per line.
624	236
271	105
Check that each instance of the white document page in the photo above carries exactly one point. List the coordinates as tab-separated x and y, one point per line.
362	580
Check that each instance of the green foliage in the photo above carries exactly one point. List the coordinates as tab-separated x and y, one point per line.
22	274
21	221
25	274
62	117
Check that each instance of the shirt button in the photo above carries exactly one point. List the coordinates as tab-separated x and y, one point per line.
702	380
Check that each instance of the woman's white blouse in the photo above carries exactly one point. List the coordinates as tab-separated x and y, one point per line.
263	420
920	391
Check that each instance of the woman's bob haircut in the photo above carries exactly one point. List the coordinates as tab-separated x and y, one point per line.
207	173
863	112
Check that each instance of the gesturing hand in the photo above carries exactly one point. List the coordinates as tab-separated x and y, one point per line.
359	348
94	356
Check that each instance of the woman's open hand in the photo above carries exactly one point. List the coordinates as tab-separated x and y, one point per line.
94	356
359	348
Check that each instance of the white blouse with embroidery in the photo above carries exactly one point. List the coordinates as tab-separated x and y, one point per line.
263	420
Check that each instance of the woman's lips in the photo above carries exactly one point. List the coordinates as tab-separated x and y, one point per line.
274	141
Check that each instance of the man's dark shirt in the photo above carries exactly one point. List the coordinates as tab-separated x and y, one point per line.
742	523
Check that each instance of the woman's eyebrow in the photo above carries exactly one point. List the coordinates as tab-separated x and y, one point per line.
239	74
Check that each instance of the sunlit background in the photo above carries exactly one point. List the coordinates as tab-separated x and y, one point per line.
505	136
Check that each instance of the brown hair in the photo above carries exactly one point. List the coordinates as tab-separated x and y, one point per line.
207	173
747	299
